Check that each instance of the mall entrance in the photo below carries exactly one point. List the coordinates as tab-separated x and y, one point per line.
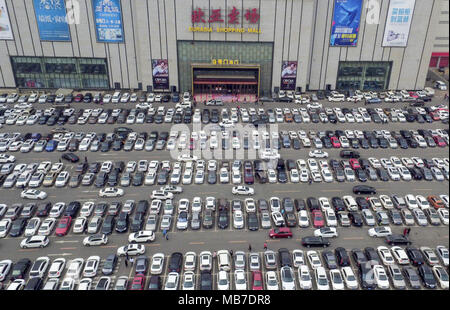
229	83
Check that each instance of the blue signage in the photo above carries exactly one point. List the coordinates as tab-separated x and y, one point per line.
345	24
108	21
51	19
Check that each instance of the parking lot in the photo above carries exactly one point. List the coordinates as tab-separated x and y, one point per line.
219	238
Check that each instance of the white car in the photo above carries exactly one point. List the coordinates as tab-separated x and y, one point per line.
238	219
47	226
242	190
443	253
79	225
441	276
32	227
87	208
337	283
95	240
205	260
172	281
91	266
313	259
35	242
111	192
157	264
321	278
326	232
349	278
443	215
287	278
5	267
380	277
131	249
142	236
33	194
380	231
303	219
385	255
162	195
74	269
223	282
16	285
57	268
400	255
272	281
318	154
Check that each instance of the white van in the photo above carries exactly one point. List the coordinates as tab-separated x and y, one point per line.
224	260
336	97
116	97
440	85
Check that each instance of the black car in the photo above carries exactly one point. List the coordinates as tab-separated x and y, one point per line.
338	204
137	222
396	239
43	209
362	203
329	259
155	283
372	255
284	257
299	204
208	219
175	262
162	177
141	264
427	276
206	280
71	157
382	174
17	227
113	178
342	257
311	241
72	209
359	257
364	189
122	222
20	268
415	256
313	203
223	219
108	225
138	179
34	284
356	219
252	221
349	154
366	277
109	265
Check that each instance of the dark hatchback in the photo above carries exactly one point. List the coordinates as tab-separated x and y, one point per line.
175	262
108	225
206	280
122	222
155	283
223	219
252	221
20	269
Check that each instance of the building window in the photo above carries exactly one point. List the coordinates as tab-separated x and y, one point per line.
363	75
60	72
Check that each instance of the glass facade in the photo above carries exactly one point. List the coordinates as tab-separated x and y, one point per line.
60	72
205	51
363	75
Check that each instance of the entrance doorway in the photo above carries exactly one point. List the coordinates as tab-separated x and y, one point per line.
229	83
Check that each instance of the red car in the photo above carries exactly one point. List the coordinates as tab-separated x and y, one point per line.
354	163
138	283
413	94
63	226
78	98
435	116
335	142
282	232
318	220
257	283
439	141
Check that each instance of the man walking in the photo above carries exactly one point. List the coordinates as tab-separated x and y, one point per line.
231	253
126	263
265	246
249	247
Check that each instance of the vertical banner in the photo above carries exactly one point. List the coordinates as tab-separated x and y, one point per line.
51	19
288	75
108	21
5	24
345	23
160	73
398	23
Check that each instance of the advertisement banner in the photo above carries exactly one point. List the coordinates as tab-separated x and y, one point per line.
51	19
160	73
108	21
398	22
5	24
345	23
288	75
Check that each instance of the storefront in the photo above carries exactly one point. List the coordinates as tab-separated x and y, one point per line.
439	60
60	72
363	75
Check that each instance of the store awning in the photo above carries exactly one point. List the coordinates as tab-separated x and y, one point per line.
226	82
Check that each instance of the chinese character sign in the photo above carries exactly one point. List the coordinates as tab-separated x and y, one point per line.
108	21
398	23
288	75
51	18
232	16
160	73
345	24
5	24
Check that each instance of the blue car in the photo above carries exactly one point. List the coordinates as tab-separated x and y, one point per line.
36	137
374	100
51	146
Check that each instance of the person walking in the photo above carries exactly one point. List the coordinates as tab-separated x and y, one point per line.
231	253
131	261
85	159
405	231
164	232
60	160
126	263
310	181
265	246
409	230
214	255
167	235
249	247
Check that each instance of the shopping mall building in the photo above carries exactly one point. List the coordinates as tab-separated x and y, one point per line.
250	46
